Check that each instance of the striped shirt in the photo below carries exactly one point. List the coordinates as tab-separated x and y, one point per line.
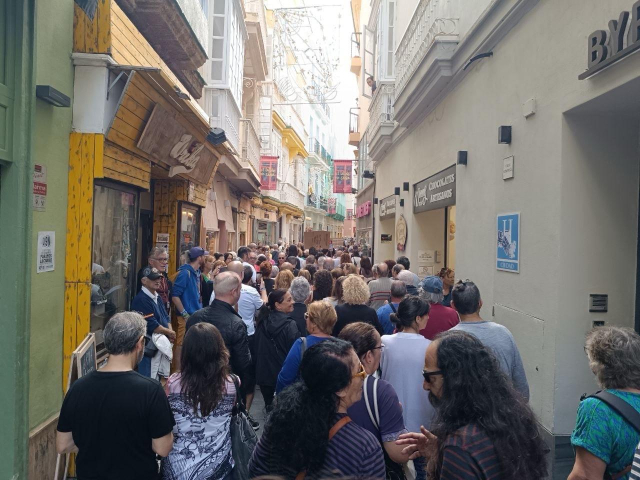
635	468
469	455
352	452
380	291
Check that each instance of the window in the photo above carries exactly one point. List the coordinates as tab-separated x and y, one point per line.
236	56
218	25
189	229
115	226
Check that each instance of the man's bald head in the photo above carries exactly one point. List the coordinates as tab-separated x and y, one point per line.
286	266
383	269
236	267
227	287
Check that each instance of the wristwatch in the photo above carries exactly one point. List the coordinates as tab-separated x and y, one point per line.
184	313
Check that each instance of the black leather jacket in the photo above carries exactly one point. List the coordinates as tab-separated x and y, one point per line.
233	330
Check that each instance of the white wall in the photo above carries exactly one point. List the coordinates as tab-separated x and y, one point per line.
569	192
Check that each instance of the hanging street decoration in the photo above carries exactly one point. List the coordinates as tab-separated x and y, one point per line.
268	173
342	172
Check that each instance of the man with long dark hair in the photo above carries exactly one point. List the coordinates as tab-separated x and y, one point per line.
483	428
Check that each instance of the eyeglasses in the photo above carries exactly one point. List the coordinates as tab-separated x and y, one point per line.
161	260
427	375
362	373
381	348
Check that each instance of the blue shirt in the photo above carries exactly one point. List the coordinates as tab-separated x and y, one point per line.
187	288
605	434
384	314
289	371
153	311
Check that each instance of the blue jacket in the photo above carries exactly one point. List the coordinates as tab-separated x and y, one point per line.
289	372
186	287
154	313
384	315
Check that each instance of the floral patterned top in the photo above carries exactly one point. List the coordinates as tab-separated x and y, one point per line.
201	446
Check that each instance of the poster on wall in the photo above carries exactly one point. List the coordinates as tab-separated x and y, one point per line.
46	252
508	242
425	271
162	241
342	171
268	172
401	233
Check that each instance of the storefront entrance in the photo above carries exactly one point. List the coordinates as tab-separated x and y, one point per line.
115	214
189	230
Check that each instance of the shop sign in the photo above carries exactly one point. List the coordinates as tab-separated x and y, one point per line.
437	191
363	210
508	242
507	168
604	48
388	207
46	252
386	238
162	241
401	233
165	139
39	187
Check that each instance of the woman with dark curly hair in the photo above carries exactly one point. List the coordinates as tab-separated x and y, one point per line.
337	294
322	285
265	271
366	269
483	428
309	432
201	396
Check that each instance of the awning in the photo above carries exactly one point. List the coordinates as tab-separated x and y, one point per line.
223	204
210	215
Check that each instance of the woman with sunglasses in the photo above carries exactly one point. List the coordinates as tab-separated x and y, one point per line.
320	318
309	433
379	410
402	362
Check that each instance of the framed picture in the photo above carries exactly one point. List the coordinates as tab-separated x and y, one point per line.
508	242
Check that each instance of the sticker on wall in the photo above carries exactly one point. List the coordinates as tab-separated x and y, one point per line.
425	271
46	252
508	242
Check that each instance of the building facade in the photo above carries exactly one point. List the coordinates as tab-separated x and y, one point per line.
510	147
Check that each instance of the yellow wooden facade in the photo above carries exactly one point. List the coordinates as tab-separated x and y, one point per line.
117	157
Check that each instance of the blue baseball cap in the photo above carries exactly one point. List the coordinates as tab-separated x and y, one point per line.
432	284
151	273
196	252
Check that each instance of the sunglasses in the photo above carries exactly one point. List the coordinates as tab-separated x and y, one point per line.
427	375
381	347
362	373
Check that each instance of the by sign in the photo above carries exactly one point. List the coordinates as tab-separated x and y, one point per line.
388	207
606	47
46	253
437	191
508	242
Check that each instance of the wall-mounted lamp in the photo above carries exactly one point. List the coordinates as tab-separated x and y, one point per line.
52	96
405	186
216	136
354	191
504	135
402	202
462	157
375	201
368	174
396	191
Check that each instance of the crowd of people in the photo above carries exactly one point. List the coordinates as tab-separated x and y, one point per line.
366	371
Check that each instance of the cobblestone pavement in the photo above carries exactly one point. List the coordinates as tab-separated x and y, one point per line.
257	410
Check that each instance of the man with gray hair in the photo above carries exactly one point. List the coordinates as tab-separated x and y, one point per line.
116	413
235	267
301	294
224	317
441	318
380	289
158	259
398	292
320	262
328	264
407	277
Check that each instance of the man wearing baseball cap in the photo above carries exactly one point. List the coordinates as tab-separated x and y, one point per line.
185	294
441	318
149	304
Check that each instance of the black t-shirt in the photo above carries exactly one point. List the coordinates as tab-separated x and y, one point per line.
113	417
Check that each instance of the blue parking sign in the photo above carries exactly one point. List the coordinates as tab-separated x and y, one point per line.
508	242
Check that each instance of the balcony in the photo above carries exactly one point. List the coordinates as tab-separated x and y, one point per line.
294	135
423	57
354	131
291	195
255	61
381	120
318	155
249	145
223	113
177	30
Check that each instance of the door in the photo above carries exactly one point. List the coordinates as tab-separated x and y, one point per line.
7	74
188	230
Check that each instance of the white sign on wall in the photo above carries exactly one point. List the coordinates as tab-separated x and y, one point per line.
45	261
426	257
507	168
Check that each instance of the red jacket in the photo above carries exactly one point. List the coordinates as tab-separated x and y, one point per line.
441	319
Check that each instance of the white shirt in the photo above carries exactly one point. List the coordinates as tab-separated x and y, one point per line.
249	302
152	296
336	262
213	297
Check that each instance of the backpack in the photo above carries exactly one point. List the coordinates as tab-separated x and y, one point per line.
394	471
626	411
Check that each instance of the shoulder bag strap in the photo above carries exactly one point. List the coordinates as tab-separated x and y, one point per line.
303	346
626	411
238	405
393	307
368	403
338	425
375	401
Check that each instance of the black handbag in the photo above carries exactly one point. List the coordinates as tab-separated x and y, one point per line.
150	348
243	437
